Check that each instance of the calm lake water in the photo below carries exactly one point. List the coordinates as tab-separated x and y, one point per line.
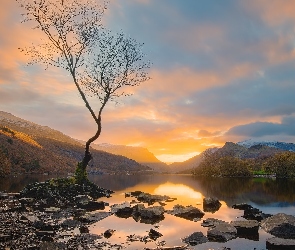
270	196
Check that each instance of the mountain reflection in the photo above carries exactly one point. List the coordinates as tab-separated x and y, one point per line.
261	191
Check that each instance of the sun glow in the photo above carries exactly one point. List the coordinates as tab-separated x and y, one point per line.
171	189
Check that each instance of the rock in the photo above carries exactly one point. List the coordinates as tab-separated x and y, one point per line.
280	244
70	224
83	199
92	205
195	239
47	238
48	246
211	222
94	217
242	206
255	214
169	248
149	215
188	212
4	237
154	235
108	233
280	225
211	204
222	232
135	193
247	229
52	209
151	199
83	229
3	196
122	210
116	207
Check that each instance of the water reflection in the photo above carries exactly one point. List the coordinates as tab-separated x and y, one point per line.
271	196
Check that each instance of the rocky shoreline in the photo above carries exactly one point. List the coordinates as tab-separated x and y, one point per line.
56	214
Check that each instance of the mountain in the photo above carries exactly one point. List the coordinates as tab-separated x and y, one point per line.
273	144
26	147
234	159
187	166
139	154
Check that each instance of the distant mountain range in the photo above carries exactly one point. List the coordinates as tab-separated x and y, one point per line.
273	144
26	147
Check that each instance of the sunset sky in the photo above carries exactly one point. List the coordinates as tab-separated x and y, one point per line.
221	71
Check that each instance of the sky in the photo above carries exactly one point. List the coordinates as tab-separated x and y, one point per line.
221	71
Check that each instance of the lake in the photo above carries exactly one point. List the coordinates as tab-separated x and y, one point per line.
269	195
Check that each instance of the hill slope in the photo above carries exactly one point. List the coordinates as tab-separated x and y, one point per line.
26	147
139	154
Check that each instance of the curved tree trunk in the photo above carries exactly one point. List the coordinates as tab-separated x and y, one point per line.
80	173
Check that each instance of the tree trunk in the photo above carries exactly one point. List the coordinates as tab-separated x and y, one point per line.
80	173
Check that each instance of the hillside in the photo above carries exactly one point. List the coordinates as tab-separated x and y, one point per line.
188	165
139	154
237	160
26	147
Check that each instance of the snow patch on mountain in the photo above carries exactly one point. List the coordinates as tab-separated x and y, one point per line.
274	144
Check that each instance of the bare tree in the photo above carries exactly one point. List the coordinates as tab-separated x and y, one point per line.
100	63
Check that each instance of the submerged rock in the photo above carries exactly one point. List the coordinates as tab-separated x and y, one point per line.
188	212
195	239
280	225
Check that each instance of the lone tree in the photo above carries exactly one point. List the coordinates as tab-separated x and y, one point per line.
101	64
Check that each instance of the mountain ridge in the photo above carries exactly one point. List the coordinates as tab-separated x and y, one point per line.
56	153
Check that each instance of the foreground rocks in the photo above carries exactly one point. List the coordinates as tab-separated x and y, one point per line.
44	217
280	225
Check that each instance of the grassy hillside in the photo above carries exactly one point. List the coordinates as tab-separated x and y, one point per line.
27	147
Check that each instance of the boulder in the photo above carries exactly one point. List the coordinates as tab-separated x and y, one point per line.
247	229
108	233
195	239
280	225
255	214
188	212
211	222
242	206
149	215
116	207
222	232
151	199
92	205
154	235
280	244
94	217
211	204
83	229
